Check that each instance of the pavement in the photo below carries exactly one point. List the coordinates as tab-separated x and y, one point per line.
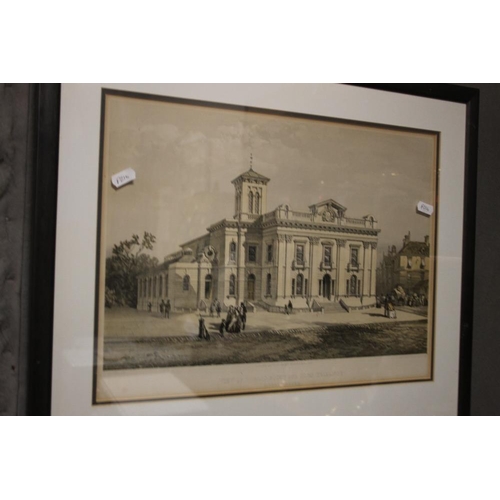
130	323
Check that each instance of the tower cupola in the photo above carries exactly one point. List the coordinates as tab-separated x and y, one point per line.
250	198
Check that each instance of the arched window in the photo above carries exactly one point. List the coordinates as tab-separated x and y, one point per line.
250	202
150	286
268	284
232	251
300	284
154	286
257	203
185	283
166	285
161	287
232	284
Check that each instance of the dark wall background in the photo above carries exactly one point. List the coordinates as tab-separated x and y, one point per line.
16	160
485	399
17	118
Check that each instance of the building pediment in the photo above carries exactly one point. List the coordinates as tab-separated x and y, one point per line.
329	210
329	202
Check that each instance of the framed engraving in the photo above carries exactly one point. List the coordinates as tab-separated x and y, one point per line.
261	241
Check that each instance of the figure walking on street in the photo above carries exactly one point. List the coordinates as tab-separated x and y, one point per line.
202	329
222	327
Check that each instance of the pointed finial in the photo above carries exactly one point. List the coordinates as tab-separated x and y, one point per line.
251	161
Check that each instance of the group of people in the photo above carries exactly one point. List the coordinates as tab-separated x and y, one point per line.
234	322
215	306
165	308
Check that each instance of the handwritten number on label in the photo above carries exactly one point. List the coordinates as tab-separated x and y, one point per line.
424	208
124	177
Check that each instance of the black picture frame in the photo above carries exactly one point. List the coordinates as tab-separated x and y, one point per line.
46	109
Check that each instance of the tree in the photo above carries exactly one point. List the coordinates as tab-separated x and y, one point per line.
127	261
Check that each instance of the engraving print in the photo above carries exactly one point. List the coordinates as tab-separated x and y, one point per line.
260	251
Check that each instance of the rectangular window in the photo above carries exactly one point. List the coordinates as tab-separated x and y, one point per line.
354	256
252	253
320	283
269	253
293	287
327	257
305	287
299	254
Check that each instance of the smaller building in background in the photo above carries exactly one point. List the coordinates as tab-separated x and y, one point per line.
408	267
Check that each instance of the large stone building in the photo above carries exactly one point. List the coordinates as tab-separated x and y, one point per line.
407	267
313	258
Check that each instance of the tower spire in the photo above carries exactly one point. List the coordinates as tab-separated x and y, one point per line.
251	161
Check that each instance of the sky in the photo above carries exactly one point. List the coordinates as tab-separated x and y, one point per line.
185	157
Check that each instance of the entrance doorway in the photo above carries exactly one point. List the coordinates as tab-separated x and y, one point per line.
208	286
251	287
327	287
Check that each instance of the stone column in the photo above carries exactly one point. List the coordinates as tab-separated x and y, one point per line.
279	264
339	274
288	239
240	272
366	283
312	243
373	274
198	290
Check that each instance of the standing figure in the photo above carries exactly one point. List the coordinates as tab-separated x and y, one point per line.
202	330
290	307
212	310
168	307
243	309
149	306
286	309
219	309
162	306
222	327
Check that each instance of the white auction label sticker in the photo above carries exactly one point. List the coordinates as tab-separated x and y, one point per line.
124	177
424	208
